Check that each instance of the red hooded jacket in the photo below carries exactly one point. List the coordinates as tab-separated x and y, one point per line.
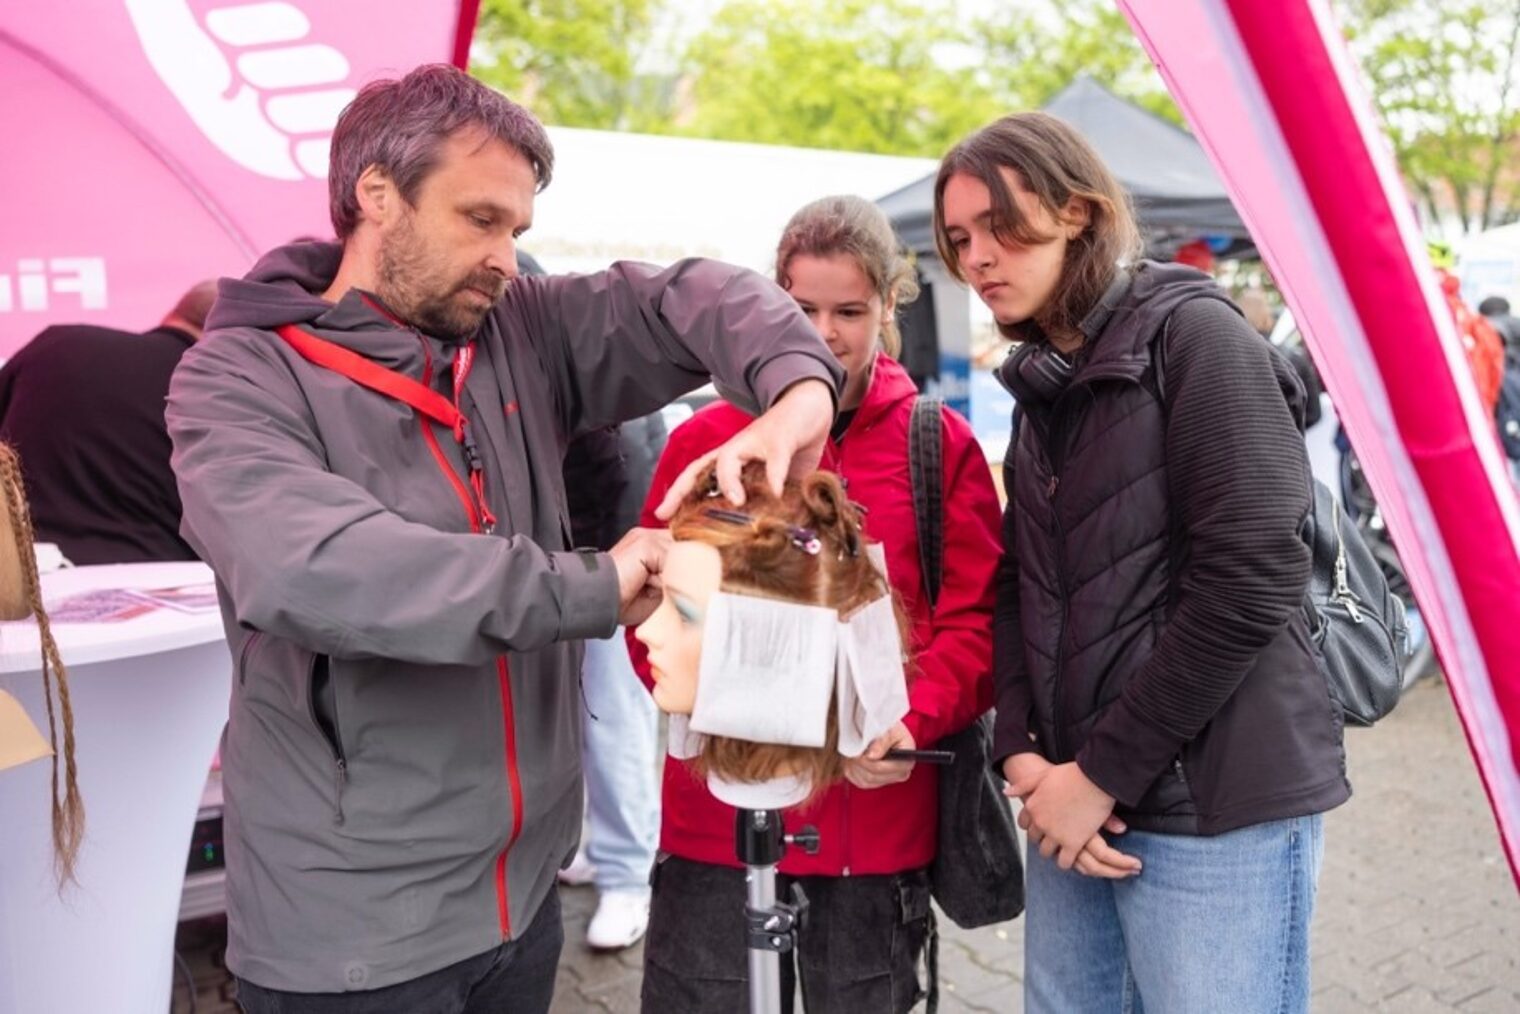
889	829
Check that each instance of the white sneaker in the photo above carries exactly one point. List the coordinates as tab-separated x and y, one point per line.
579	873
620	920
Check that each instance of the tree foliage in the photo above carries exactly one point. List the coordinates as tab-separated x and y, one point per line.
910	77
572	62
1442	76
1031	51
857	75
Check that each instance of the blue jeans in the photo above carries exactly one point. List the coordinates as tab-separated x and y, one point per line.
622	776
1210	924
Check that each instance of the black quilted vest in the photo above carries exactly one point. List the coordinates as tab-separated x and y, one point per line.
1096	549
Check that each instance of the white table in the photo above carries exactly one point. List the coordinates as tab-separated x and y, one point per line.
150	699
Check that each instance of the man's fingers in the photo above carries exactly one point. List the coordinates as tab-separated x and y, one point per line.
730	464
682	486
1067	857
776	472
1113	825
1049	847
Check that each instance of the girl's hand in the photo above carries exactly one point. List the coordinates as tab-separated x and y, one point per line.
871	771
1066	811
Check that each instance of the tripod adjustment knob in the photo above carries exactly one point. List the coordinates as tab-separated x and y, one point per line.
806	839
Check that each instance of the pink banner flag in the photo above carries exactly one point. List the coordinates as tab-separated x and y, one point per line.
1271	92
154	143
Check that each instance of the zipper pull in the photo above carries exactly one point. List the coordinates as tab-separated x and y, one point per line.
1050	490
1349	601
342	781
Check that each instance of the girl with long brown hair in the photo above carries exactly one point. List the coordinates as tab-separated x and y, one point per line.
1160	710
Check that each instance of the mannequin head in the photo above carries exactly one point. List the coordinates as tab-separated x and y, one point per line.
762	551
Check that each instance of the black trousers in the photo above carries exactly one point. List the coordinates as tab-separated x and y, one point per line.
858	952
515	978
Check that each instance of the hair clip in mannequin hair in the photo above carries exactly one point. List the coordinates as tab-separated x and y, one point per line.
732	517
804	539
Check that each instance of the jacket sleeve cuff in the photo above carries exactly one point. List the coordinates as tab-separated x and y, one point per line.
1125	753
772	379
589	597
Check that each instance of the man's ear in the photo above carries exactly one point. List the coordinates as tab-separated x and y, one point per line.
379	200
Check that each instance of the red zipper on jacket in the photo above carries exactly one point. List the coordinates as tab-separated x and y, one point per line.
503	675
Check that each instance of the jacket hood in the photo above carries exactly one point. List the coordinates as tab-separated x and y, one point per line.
890	384
284	287
1121	326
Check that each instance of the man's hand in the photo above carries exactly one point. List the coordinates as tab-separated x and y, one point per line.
1026	773
639	556
789	438
870	771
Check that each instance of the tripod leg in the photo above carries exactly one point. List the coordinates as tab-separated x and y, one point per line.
764	965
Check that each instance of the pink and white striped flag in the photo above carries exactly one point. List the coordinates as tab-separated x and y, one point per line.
1271	92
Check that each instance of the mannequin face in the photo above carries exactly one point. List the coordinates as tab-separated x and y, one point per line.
693	571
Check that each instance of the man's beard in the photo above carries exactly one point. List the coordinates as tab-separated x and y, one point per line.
409	285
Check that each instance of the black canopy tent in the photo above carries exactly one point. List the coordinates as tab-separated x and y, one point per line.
1176	194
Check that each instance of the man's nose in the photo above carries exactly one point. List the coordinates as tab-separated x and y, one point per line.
503	259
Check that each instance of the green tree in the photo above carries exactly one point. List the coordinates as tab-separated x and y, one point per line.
573	62
854	75
1442	76
1033	50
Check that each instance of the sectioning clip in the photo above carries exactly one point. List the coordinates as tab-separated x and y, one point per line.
732	517
805	539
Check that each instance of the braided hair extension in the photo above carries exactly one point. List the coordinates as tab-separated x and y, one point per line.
68	809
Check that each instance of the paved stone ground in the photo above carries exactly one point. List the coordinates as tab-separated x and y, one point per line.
1417	910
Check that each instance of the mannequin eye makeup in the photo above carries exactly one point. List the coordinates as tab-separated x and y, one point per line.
689	613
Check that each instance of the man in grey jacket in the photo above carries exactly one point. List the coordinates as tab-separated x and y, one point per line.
368	445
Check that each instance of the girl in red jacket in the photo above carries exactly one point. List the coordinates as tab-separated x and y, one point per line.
868	885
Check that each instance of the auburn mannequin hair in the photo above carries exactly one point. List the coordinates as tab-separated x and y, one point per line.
762	557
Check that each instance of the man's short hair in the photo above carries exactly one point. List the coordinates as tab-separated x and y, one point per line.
400	125
1494	306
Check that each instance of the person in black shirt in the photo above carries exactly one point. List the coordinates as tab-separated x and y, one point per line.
84	408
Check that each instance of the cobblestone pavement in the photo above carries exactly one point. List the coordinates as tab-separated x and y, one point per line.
1417	910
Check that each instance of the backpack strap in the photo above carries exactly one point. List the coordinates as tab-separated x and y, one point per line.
927	472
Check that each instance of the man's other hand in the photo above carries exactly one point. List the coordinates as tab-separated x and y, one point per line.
639	556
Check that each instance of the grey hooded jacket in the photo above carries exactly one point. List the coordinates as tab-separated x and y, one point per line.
402	759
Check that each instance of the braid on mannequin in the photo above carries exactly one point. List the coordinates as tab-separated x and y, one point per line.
68	806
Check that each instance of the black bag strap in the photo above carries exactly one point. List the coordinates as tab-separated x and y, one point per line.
926	470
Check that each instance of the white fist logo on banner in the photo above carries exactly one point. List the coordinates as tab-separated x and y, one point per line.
270	107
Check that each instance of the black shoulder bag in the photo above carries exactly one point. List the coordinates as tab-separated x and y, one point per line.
978	875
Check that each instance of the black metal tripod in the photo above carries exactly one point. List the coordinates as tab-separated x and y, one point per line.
760	840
